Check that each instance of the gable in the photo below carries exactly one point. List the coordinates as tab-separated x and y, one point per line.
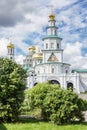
52	57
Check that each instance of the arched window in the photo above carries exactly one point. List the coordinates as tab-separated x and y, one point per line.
11	58
70	86
35	84
55	32
11	51
52	45
52	70
54	82
66	71
57	45
46	45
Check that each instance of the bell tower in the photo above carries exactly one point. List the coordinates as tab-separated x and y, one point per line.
10	48
52	42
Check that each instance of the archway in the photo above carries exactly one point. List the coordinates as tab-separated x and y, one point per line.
54	82
70	86
35	84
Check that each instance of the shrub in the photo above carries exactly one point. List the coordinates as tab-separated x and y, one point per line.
12	86
56	104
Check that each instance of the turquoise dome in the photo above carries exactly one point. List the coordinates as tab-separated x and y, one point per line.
26	68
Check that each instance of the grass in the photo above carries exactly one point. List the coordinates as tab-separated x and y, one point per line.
40	125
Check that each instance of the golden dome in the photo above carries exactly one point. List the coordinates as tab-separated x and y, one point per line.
38	56
52	16
32	48
10	45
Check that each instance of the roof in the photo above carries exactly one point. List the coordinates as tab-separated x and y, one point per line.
32	48
10	45
52	50
80	70
38	56
26	68
52	16
51	36
53	63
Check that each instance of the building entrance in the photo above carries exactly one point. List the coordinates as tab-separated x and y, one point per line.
54	82
70	86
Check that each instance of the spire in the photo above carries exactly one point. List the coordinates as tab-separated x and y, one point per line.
52	16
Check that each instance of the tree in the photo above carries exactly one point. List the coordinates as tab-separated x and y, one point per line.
56	104
12	86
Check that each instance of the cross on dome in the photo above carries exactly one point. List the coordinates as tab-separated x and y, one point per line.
51	16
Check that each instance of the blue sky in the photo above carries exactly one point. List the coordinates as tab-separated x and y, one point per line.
24	22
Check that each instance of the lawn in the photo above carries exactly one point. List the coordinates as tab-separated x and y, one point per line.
40	125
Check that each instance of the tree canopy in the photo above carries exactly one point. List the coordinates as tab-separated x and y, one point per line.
56	104
12	86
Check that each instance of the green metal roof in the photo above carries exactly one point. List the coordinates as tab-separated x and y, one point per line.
53	50
51	36
26	68
51	27
52	20
80	70
53	63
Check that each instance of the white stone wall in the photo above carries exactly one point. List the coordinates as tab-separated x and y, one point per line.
49	41
47	68
63	79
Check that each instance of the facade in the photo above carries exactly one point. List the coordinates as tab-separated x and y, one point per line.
47	64
28	61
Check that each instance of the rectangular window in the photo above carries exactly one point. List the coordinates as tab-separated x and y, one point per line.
30	60
46	46
57	45
52	45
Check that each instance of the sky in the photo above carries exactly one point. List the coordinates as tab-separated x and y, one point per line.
24	23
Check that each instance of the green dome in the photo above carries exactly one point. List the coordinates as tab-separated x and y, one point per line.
26	68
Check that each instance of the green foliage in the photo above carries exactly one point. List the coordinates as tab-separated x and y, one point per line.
12	86
25	108
56	104
32	124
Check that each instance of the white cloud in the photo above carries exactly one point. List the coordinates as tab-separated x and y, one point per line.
73	49
32	16
3	47
72	55
62	3
19	59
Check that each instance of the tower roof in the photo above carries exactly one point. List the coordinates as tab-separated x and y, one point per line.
10	45
38	56
52	16
26	68
32	48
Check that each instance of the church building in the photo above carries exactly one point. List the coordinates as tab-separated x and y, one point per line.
47	65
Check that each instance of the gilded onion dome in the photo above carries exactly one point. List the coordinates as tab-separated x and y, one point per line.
10	45
32	48
38	56
51	16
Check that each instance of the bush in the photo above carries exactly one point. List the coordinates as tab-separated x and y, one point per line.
56	104
12	86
